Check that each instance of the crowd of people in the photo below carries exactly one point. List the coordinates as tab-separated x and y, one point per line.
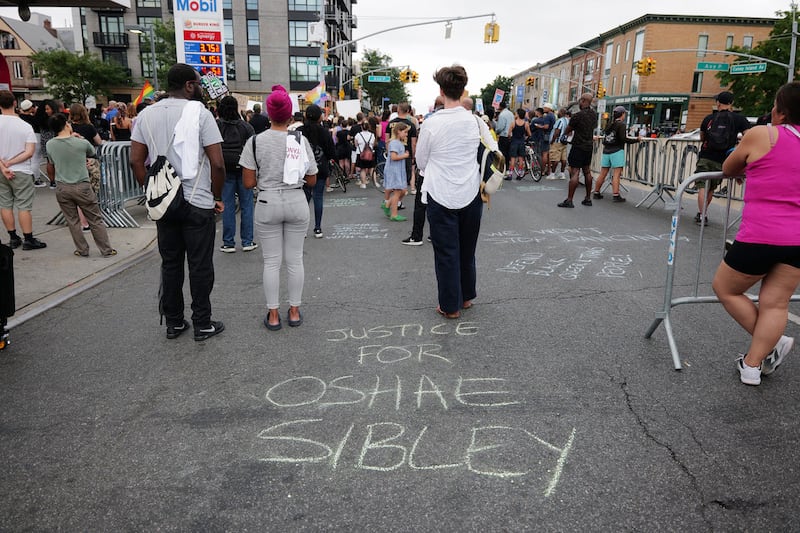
273	165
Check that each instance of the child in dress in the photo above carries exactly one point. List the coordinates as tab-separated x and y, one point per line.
394	174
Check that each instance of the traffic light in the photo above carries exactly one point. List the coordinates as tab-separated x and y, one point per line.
404	76
414	76
651	66
356	83
491	32
641	67
530	81
601	90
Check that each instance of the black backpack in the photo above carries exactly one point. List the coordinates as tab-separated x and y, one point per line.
721	132
234	135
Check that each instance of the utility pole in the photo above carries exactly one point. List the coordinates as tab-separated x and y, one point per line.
793	49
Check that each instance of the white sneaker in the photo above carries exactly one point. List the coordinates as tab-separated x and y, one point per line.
362	185
328	189
562	176
748	374
551	177
777	355
249	247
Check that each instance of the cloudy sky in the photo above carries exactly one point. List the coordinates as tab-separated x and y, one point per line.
529	32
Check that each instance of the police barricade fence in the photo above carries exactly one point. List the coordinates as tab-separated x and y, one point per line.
118	187
663	315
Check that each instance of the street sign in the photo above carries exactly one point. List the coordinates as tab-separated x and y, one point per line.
748	68
704	65
312	61
379	79
328	68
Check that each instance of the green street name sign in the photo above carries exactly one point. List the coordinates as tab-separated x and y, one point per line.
712	66
379	79
748	68
312	61
328	68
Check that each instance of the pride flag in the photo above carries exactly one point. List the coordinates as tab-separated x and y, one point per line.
317	94
147	92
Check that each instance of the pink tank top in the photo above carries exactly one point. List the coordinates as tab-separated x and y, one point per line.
771	213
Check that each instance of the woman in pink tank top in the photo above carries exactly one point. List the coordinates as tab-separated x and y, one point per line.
767	246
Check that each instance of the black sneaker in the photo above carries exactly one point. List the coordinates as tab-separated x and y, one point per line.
566	203
173	332
597	196
33	244
617	198
16	242
214	328
318	233
586	201
698	218
411	242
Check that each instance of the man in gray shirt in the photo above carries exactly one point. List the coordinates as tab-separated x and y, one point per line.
190	233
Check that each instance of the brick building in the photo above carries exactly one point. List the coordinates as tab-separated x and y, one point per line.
678	95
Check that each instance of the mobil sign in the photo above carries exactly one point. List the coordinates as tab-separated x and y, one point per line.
196	6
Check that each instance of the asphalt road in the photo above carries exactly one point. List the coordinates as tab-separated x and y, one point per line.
543	408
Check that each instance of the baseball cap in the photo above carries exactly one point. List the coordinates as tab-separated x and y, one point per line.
548	105
25	105
725	97
619	110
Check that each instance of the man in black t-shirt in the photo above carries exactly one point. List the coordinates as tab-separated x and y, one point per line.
581	126
710	158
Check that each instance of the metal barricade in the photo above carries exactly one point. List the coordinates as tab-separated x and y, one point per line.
117	186
670	300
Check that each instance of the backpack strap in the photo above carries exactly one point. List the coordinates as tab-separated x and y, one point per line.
254	155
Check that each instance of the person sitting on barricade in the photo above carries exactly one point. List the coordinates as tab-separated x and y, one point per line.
767	246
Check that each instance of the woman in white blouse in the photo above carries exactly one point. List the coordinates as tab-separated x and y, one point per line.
446	154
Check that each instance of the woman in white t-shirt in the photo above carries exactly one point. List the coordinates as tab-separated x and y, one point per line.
365	137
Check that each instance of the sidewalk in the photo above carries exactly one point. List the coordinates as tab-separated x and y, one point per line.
44	278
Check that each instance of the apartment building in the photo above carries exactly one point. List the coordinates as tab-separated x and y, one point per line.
678	95
266	42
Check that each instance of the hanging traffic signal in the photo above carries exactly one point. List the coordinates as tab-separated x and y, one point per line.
404	76
414	76
651	66
530	81
356	83
641	67
601	91
491	32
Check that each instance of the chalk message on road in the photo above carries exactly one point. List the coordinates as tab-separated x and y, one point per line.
379	442
568	235
359	231
344	201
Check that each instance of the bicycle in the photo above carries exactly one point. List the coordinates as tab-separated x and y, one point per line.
533	163
338	177
377	175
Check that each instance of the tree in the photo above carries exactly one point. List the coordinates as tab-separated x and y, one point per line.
166	51
755	92
395	90
74	77
500	82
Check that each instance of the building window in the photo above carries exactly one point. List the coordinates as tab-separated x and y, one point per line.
112	24
638	46
697	82
609	56
230	67
35	72
118	56
17	65
227	31
147	64
613	86
8	41
254	67
624	81
298	33
300	70
227	4
627	50
303	5
616	58
148	3
747	44
251	5
252	32
728	42
702	45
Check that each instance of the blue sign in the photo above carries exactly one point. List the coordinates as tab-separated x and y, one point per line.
520	93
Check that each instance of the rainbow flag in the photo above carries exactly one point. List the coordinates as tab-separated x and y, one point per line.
147	92
317	94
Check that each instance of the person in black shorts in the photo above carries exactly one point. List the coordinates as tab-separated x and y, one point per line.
581	125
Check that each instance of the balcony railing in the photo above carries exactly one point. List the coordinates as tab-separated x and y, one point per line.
117	40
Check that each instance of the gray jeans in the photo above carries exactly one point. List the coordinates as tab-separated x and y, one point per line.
281	223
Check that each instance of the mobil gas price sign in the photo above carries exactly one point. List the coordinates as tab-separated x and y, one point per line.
199	36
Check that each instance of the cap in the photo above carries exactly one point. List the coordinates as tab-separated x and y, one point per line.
547	105
725	98
619	110
25	105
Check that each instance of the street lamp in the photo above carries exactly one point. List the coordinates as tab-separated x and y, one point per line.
139	30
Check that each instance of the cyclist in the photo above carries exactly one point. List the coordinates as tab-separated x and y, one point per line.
518	131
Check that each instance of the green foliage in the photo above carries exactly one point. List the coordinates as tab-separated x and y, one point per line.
500	82
166	52
73	77
755	92
395	90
